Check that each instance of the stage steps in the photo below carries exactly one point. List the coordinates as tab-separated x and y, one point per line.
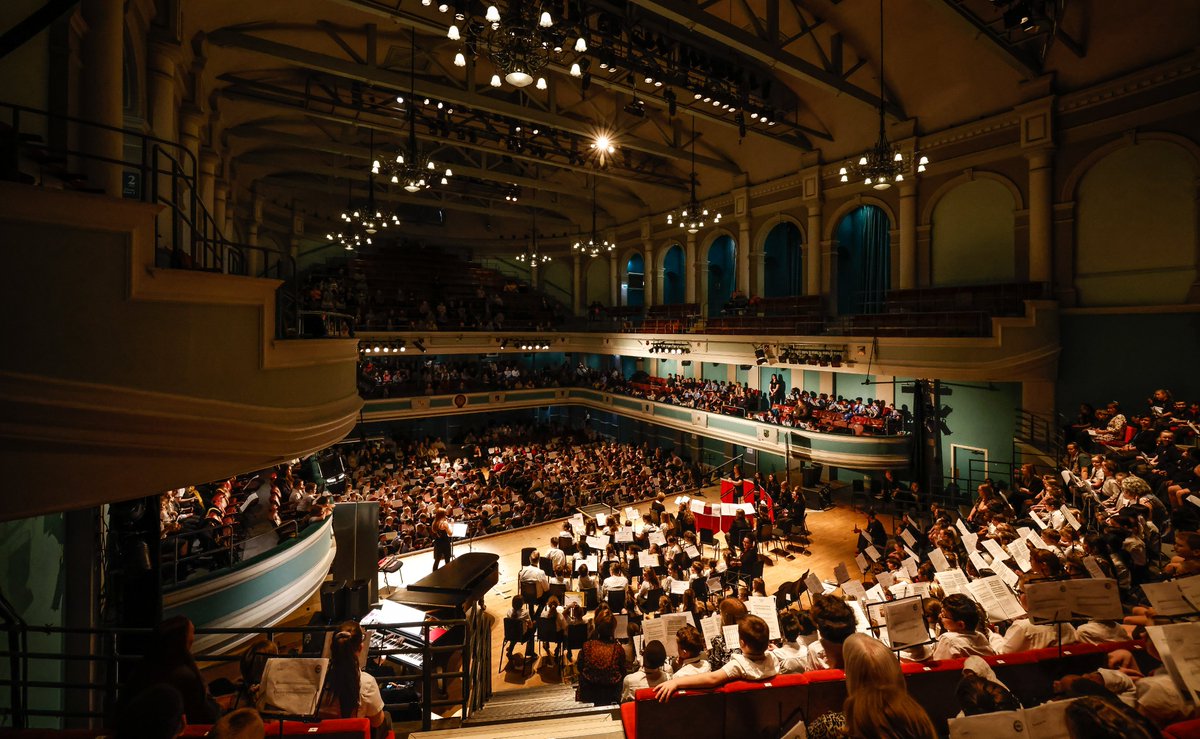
529	704
597	726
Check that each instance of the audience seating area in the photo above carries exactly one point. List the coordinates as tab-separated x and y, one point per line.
741	709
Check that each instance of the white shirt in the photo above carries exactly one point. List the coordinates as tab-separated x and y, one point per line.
745	667
644	678
615	582
951	645
792	657
529	573
1098	632
1023	634
823	655
693	666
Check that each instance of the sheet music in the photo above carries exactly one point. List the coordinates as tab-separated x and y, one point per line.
591	562
814	584
1010	578
970	541
732	640
1048	601
573	597
598	542
1036	540
1037	520
885	579
622	629
714	584
656	628
1097	599
872	553
840	573
938	558
601	519
854	589
1092	565
995	597
679	587
912	554
1020	554
905	623
961	524
1179	647
458	530
697	506
624	537
656	537
1190	587
908	538
1167	598
998	725
692	552
952	581
1048	721
863	564
1070	517
911	566
977	559
764	608
729	510
875	593
710	627
292	685
647	560
747	507
993	548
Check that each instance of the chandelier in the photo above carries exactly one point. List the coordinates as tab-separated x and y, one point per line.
884	163
693	216
353	231
594	245
519	40
532	256
369	218
412	169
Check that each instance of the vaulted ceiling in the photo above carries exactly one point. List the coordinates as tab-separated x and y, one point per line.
307	92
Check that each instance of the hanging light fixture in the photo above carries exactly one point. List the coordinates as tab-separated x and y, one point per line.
411	168
368	215
693	216
594	245
352	233
533	257
884	164
520	39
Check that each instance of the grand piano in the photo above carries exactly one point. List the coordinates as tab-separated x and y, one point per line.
443	594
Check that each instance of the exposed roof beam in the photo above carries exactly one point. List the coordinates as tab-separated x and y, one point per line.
396	81
253	132
993	42
766	52
414	20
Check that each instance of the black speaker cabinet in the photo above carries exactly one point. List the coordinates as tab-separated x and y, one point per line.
356	531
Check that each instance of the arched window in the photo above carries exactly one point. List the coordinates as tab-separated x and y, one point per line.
973	240
720	274
783	263
674	280
635	281
864	260
1136	232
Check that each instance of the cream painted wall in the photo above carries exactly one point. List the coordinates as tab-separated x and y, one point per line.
973	235
1136	227
598	285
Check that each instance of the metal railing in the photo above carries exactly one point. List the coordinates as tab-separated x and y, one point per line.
117	652
161	172
1040	431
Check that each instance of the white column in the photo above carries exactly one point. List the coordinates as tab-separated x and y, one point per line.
100	92
577	285
690	270
164	122
812	251
908	235
758	265
1041	215
743	256
614	280
650	279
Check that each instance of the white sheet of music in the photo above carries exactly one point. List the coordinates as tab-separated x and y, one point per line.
729	510
993	548
840	573
814	584
905	623
1098	599
1020	554
679	587
624	537
1070	517
873	553
1037	520
656	628
1048	601
710	627
854	589
1010	578
1190	587
598	542
292	685
952	581
1179	647
657	537
692	552
1092	565
458	530
980	564
732	640
714	584
622	629
961	524
911	566
647	560
697	506
875	594
592	563
1167	598
1048	721
764	608
998	725
995	597
863	564
908	538
885	579
938	558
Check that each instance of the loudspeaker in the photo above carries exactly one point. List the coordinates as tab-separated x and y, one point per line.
357	599
329	602
356	531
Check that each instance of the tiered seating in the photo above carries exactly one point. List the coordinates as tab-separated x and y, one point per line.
787	316
433	276
765	709
670	319
340	728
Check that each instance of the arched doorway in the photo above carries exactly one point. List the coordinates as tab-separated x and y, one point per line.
674	281
783	263
864	260
635	281
720	274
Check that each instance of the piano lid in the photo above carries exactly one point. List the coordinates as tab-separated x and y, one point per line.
468	575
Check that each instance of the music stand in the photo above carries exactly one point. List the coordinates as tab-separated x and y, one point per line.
291	688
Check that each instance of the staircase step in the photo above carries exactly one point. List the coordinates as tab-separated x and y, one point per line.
556	701
569	727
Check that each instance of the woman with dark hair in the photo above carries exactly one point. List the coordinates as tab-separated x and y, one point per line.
350	692
169	661
601	662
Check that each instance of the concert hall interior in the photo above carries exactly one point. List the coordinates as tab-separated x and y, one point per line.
589	368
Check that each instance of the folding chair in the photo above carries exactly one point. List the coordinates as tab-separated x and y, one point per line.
707	539
616	600
548	634
514	634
